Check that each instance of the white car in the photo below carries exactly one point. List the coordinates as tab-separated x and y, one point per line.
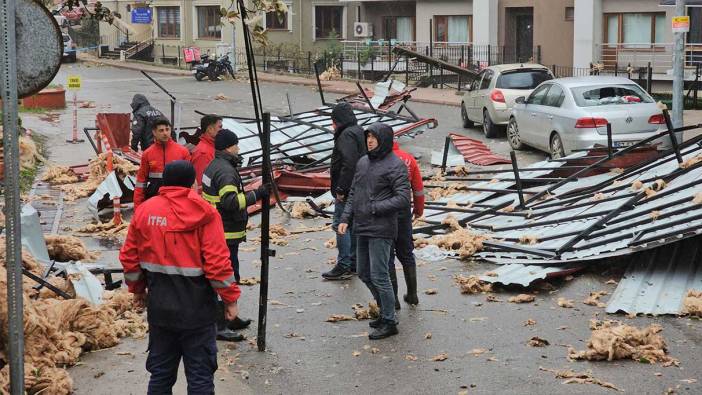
568	114
491	95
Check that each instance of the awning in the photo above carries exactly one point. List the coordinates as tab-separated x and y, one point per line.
689	3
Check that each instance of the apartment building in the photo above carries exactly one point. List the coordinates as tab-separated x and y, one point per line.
560	32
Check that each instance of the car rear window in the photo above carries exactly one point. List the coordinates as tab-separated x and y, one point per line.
591	96
522	79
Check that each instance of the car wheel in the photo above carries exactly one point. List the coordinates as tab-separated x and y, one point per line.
467	123
557	149
489	129
513	135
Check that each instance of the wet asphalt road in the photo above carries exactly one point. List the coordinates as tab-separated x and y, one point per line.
308	355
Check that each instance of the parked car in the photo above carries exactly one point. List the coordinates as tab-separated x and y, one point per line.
567	114
69	48
490	97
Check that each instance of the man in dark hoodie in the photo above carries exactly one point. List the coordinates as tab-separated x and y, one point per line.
349	147
176	262
143	122
380	191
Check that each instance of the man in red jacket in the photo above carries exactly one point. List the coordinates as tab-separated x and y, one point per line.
203	153
176	261
154	159
404	245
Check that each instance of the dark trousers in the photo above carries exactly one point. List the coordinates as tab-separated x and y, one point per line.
234	256
197	347
404	245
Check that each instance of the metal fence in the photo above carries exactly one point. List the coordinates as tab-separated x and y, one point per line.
658	55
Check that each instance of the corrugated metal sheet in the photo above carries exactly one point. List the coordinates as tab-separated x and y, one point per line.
657	281
310	134
476	152
525	275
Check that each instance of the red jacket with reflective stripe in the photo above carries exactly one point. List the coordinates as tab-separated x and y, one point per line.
202	156
153	161
415	177
175	249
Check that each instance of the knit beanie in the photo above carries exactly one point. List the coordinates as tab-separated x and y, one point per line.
225	139
179	173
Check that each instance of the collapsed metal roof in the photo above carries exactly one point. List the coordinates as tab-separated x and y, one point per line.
570	219
308	138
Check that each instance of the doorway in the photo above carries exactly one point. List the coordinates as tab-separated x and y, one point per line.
519	34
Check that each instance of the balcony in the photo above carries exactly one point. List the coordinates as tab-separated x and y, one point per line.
636	55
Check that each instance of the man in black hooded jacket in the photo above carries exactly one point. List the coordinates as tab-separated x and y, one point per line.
144	117
380	190
349	146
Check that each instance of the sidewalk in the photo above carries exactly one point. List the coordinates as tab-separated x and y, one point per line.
444	97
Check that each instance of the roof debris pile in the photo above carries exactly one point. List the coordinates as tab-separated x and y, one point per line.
692	304
97	174
28	151
68	248
611	340
561	215
58	331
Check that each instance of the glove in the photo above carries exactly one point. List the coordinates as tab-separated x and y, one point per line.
263	191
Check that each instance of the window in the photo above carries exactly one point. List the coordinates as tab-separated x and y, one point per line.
453	28
695	34
486	80
277	21
328	21
555	96
400	28
209	22
590	96
168	22
570	13
635	30
522	79
538	96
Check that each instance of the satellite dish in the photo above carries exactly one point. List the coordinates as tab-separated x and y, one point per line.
39	46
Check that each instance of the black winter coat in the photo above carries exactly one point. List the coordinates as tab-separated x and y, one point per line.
144	117
380	189
222	187
349	147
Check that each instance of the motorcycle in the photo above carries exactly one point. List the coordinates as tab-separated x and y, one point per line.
213	69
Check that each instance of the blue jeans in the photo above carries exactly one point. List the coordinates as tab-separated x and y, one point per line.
373	254
197	347
404	245
346	243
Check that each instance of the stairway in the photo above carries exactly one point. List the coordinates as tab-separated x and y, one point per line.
114	53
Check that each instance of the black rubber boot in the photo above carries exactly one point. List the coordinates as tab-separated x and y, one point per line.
386	329
393	280
375	323
411	281
239	323
224	333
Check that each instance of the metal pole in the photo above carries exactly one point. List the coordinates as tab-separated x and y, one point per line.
447	144
515	168
431	52
13	244
319	83
609	139
678	69
673	137
265	225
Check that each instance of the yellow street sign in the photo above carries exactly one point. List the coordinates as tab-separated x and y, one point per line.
681	24
73	82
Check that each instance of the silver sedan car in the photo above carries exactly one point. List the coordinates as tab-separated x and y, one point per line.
568	114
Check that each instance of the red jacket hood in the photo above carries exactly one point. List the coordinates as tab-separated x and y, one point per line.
395	146
188	210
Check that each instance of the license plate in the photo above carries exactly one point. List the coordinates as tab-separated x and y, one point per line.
622	144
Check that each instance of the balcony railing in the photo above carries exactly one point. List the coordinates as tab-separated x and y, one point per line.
659	55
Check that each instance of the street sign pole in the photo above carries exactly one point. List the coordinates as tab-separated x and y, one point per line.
679	62
74	86
13	245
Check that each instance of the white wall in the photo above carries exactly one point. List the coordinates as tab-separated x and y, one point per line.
587	31
427	9
485	20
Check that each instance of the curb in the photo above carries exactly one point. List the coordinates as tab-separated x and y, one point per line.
135	66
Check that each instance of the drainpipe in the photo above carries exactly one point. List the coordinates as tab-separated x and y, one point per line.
299	27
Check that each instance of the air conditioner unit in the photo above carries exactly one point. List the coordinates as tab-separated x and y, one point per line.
362	29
